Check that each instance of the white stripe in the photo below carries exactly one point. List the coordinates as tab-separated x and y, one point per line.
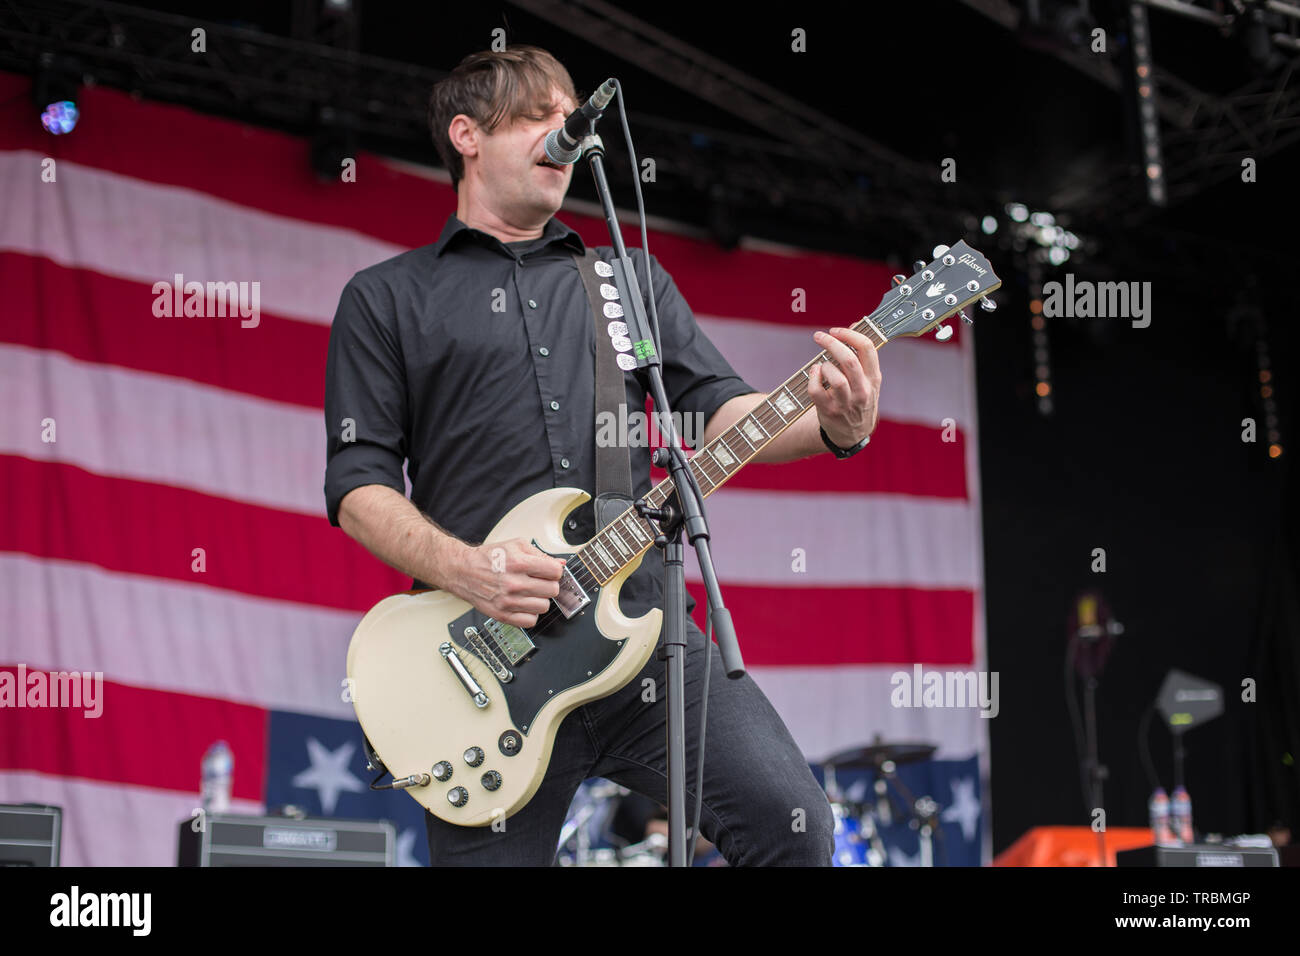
848	540
146	231
924	383
829	709
111	824
139	425
170	636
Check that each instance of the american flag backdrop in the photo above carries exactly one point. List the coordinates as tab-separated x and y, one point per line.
172	534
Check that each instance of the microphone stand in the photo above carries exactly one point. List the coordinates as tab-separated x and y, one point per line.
687	514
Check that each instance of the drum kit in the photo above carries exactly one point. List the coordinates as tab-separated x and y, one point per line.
588	837
860	824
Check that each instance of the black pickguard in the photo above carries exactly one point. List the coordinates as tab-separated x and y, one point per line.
569	652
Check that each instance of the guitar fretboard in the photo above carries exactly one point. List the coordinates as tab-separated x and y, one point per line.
627	536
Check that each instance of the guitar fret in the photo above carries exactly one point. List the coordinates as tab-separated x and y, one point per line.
618	542
634	526
753	425
736	428
787	401
586	564
604	555
777	410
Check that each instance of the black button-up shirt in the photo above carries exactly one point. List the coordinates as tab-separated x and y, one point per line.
472	361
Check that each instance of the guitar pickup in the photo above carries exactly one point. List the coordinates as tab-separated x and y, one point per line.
572	598
480	647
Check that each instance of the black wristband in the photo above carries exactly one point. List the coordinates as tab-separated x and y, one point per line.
843	453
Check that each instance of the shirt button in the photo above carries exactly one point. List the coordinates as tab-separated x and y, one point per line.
555	406
572	524
543	351
532	303
564	463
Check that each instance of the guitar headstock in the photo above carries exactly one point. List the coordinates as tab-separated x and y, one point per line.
958	276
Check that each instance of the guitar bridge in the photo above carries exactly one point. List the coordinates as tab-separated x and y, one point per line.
488	656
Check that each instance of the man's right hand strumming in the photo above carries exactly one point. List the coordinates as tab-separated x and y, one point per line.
511	581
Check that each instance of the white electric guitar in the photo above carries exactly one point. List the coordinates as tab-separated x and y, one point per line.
463	709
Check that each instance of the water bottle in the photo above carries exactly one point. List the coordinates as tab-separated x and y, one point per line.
1181	816
1159	810
217	771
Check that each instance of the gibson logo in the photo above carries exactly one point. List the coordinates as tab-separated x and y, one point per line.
969	260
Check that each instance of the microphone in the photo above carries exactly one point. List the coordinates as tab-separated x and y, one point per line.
564	145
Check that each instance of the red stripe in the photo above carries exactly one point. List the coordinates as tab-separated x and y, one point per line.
193	151
144	528
98	318
149	738
825	627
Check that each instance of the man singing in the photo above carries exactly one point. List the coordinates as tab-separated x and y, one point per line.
486	407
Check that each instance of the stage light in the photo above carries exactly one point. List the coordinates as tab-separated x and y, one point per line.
1042	219
54	91
1017	212
1144	86
989	225
1057	255
60	117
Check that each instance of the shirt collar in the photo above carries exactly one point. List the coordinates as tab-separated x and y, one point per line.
455	231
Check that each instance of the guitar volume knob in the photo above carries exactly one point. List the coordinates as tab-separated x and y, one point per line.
491	780
442	771
474	756
458	796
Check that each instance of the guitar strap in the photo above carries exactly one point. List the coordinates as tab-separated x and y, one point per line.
613	463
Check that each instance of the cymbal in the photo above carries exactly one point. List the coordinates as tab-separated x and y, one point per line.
872	756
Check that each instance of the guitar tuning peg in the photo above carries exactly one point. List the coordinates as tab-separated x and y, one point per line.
900	279
987	304
939	250
918	265
943	333
966	318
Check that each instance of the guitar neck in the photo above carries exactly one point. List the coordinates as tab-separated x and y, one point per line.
627	536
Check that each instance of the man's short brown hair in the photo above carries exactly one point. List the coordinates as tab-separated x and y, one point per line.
491	87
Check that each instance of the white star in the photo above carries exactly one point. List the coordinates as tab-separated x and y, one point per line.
406	848
965	807
328	773
898	858
857	793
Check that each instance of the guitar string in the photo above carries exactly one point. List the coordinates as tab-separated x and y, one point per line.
766	417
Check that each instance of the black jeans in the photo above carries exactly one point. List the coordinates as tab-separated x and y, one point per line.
762	805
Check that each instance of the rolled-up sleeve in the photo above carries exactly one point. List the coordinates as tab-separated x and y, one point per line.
366	412
697	378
